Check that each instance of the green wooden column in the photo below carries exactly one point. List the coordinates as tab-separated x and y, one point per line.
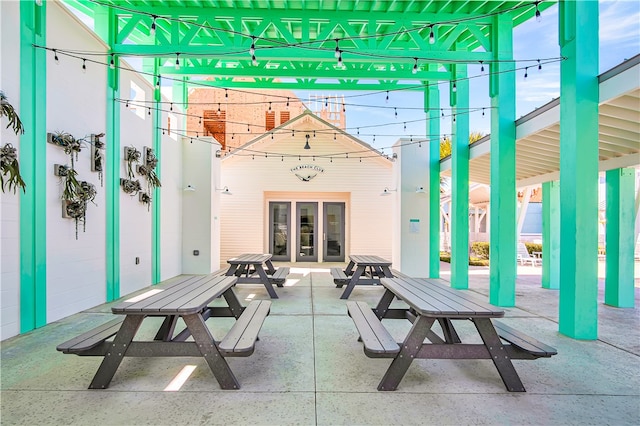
432	106
551	235
106	27
502	238
579	169
619	280
460	179
33	159
156	237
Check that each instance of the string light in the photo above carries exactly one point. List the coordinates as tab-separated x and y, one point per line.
287	103
481	66
269	106
538	17
226	93
199	120
252	49
340	58
112	64
539	65
171	108
126	104
149	110
415	66
405	126
84	65
432	36
337	54
526	72
158	81
218	112
395	111
483	112
177	61
254	61
387	99
306	145
455	88
55	56
153	25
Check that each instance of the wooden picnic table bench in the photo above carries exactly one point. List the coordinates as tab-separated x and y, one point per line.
368	270
247	266
430	301
187	299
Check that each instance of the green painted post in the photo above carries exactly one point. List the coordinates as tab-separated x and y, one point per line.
579	92
502	239
551	235
33	159
460	180
156	242
432	106
106	27
619	280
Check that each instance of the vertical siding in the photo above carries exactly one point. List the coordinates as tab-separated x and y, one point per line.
256	181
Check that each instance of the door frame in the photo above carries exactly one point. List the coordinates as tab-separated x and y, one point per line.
343	207
306	258
285	257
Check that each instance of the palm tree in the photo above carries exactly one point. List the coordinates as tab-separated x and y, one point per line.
8	111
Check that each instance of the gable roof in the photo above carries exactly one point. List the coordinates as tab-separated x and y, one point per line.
361	148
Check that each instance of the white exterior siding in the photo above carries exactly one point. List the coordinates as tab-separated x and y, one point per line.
255	180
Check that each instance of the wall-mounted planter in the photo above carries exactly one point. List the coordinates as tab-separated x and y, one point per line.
131	187
97	157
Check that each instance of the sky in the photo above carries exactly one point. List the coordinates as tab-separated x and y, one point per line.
619	40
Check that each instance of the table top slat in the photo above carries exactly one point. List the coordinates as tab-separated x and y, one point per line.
249	258
369	260
182	298
430	298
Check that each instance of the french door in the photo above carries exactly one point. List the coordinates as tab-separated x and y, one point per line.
307	226
333	247
279	235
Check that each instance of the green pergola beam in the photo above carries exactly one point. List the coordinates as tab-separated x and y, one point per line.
503	168
33	165
432	105
619	281
310	84
579	92
459	100
551	235
156	235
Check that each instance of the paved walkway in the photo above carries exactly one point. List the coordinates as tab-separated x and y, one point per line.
309	369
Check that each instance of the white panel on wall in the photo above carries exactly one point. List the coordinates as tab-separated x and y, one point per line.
76	101
10	202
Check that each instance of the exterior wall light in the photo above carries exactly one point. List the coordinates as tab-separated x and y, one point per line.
225	190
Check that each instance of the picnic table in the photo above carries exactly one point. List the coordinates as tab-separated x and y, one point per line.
368	270
250	268
187	299
430	301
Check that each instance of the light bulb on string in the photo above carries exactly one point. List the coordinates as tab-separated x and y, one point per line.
84	65
149	111
415	66
483	112
326	102
387	98
538	17
481	66
334	136
405	126
340	58
432	36
442	110
55	56
226	93
252	49
539	65
153	25
177	61
269	106
344	109
158	81
199	120
218	112
337	53
395	112
254	61
454	118
455	88
526	72
112	64
287	103
126	104
248	128
171	107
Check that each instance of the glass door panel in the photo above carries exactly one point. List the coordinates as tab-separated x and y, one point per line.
334	232
280	223
307	216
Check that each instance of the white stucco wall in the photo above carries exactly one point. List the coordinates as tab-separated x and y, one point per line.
254	180
9	202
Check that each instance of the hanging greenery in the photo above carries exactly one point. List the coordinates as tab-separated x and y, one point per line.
131	156
9	165
71	145
145	198
131	187
8	111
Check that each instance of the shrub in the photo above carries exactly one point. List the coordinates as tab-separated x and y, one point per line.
531	247
481	249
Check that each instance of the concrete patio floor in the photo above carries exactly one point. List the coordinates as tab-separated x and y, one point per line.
308	368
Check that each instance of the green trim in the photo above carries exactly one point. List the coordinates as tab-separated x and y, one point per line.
432	106
551	235
619	280
502	238
460	182
105	26
156	240
33	158
579	96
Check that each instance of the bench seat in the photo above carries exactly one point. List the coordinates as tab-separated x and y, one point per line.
339	277
91	338
241	339
280	276
378	343
523	342
398	274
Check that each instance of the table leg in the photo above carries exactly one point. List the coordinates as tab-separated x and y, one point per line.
349	269
231	271
352	282
116	352
450	333
234	304
210	352
165	333
383	304
499	355
386	272
265	280
410	348
270	268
